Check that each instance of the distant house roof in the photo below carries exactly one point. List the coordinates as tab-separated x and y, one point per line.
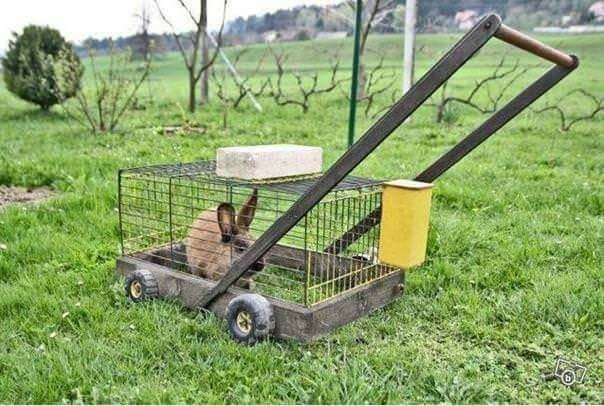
597	9
331	34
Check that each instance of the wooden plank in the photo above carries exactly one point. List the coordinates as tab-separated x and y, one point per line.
357	303
292	321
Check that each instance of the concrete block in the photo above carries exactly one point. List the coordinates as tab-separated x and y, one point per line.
268	161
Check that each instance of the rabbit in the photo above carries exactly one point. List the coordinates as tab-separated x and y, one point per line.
217	236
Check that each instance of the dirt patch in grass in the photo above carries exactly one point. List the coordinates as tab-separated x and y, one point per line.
17	194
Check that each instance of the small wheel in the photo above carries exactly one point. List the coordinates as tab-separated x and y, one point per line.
250	318
141	285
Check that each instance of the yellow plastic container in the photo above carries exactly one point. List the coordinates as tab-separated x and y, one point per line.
404	226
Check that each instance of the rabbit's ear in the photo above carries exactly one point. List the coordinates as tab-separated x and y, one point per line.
225	215
246	214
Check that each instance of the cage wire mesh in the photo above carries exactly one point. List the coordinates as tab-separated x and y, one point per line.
168	216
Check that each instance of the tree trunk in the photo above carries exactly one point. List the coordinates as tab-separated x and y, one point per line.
440	113
362	81
146	46
225	112
204	88
192	85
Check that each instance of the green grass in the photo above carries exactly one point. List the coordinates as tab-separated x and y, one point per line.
513	277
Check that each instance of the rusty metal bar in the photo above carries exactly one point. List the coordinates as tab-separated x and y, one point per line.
520	40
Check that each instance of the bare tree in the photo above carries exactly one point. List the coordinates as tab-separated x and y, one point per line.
373	12
233	100
114	89
379	81
514	72
189	45
308	85
565	121
142	40
394	94
204	89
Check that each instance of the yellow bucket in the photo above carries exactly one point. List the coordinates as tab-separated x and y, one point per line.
404	226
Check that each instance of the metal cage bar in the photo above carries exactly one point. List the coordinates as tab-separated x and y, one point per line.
169	217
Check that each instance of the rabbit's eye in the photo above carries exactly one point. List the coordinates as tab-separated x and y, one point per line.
239	249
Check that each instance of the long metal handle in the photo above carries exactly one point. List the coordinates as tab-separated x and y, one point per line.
565	64
417	95
495	122
520	40
374	136
460	150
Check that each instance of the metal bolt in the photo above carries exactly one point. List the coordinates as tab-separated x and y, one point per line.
488	24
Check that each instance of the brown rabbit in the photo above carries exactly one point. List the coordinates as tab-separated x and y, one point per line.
218	237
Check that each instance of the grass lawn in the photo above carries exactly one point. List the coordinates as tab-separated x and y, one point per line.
513	278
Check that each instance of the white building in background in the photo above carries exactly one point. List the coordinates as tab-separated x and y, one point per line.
597	11
566	20
466	19
331	35
573	29
270	36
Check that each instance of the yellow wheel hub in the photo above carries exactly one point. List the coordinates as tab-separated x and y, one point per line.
244	321
136	289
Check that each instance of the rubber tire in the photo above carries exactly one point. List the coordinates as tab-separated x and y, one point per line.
261	312
148	283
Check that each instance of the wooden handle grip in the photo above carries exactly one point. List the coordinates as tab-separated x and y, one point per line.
513	37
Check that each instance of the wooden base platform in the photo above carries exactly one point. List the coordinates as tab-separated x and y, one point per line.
292	320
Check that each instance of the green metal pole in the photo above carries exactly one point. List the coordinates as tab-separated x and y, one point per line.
355	73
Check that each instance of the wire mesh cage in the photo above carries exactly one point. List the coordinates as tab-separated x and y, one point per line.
185	217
